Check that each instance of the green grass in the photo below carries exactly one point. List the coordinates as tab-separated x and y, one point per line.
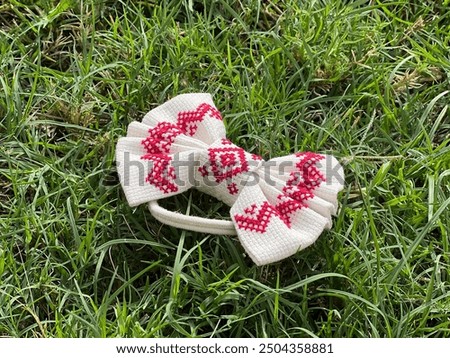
366	80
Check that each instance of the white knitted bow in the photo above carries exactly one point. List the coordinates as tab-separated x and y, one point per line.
278	206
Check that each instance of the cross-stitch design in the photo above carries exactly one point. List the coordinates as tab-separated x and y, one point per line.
256	218
305	179
298	190
161	138
286	207
233	188
188	120
274	213
225	163
162	173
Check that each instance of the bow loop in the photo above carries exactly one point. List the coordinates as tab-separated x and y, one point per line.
194	114
155	160
278	206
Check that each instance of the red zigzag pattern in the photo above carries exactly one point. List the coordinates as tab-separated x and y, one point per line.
160	138
188	120
162	173
298	189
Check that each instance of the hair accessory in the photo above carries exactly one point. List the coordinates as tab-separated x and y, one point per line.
278	206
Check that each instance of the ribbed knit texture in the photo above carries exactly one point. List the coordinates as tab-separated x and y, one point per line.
278	206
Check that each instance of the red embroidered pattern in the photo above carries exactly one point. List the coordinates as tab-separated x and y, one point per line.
232	188
227	160
203	171
286	207
162	173
307	165
160	138
299	188
225	163
298	193
251	209
188	120
302	183
254	219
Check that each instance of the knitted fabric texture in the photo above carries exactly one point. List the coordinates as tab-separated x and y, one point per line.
278	207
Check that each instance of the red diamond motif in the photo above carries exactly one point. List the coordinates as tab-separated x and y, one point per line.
227	159
225	163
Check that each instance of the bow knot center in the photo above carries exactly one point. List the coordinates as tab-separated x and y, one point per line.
225	169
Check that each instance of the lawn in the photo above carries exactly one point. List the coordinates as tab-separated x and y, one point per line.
366	81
